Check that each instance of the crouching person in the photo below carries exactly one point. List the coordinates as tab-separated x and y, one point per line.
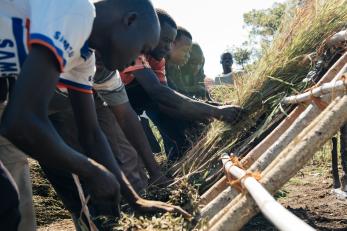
147	87
123	131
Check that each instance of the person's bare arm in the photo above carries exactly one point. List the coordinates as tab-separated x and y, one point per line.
25	123
94	141
180	105
132	128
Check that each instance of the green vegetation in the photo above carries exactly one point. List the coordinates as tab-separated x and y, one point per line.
277	74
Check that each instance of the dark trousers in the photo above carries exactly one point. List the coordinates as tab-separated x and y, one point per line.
125	154
173	132
9	203
63	182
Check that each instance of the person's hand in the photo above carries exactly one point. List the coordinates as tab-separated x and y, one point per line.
230	113
102	184
148	206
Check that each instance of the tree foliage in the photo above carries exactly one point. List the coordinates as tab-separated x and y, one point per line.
265	23
242	56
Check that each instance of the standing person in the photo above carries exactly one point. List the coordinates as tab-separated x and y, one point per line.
227	76
64	48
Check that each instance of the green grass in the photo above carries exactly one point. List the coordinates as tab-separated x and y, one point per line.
277	74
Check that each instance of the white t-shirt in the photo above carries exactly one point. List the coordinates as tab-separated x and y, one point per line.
224	79
63	26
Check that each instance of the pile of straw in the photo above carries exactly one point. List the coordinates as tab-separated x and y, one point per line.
278	73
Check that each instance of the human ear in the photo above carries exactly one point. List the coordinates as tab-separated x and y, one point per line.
130	18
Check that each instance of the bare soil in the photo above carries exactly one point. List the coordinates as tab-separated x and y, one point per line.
308	195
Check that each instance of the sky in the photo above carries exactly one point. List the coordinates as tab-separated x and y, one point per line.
215	24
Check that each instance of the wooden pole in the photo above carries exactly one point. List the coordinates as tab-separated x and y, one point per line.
273	211
288	163
273	151
283	141
275	144
253	155
327	88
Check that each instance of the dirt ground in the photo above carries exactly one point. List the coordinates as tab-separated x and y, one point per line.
308	195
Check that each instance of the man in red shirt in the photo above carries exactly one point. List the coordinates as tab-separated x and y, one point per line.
147	90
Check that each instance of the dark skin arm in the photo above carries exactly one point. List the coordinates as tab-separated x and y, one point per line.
26	124
133	131
97	147
181	106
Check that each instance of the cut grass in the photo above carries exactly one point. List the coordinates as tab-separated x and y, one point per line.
278	73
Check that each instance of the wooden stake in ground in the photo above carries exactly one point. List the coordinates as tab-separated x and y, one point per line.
288	163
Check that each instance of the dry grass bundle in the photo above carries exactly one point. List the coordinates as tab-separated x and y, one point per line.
278	73
182	194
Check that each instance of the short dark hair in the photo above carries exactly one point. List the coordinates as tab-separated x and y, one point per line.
164	17
226	53
143	7
181	31
197	49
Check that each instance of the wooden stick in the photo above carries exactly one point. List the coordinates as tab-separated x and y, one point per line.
290	161
84	202
272	152
274	144
273	211
303	121
283	141
327	88
253	155
213	191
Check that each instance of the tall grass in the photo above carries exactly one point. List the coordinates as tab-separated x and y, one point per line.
279	72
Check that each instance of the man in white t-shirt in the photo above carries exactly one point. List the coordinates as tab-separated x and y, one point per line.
61	36
226	77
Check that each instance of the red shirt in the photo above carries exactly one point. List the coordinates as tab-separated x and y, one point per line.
142	62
